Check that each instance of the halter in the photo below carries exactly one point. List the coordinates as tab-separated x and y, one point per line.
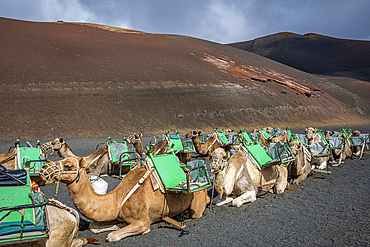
57	167
47	146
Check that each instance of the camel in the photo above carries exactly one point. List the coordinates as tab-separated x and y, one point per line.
135	140
98	167
313	137
355	149
160	147
238	180
206	149
300	168
138	211
342	153
63	226
283	138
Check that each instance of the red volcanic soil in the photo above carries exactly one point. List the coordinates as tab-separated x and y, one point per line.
69	79
342	61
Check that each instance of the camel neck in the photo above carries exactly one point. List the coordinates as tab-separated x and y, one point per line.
140	148
66	152
92	205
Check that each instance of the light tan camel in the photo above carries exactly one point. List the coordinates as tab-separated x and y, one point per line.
313	137
144	207
63	226
98	167
300	168
206	149
238	180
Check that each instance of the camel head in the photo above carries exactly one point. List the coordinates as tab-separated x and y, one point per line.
355	133
295	146
193	134
269	129
310	133
55	144
134	138
219	160
65	171
228	132
328	134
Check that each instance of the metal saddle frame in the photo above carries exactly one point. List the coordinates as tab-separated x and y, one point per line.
120	154
177	177
29	158
177	144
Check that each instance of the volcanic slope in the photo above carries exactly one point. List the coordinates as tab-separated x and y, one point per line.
70	79
337	59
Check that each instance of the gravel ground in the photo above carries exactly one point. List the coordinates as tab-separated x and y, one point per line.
326	209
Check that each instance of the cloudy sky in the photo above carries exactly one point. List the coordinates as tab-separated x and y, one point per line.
222	21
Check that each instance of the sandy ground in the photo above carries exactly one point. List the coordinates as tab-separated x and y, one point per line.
323	210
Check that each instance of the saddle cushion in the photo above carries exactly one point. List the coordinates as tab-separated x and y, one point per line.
12	177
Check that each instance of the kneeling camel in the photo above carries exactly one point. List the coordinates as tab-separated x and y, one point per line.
238	180
144	207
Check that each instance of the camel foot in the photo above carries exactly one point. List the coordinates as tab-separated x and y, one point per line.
79	242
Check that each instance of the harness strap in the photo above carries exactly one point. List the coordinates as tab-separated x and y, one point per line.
140	182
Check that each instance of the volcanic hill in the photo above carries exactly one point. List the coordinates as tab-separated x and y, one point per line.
84	80
345	62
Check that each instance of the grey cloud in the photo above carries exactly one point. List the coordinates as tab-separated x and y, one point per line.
216	20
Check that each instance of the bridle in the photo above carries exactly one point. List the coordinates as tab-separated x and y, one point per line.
56	167
47	146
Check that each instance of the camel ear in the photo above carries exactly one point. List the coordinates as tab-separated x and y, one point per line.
141	135
83	163
61	140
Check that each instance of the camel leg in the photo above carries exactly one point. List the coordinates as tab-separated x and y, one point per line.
300	178
249	196
221	201
198	204
135	228
98	227
322	165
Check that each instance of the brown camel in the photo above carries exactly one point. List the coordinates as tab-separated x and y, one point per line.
144	207
300	168
355	150
160	147
283	138
135	140
99	166
206	149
